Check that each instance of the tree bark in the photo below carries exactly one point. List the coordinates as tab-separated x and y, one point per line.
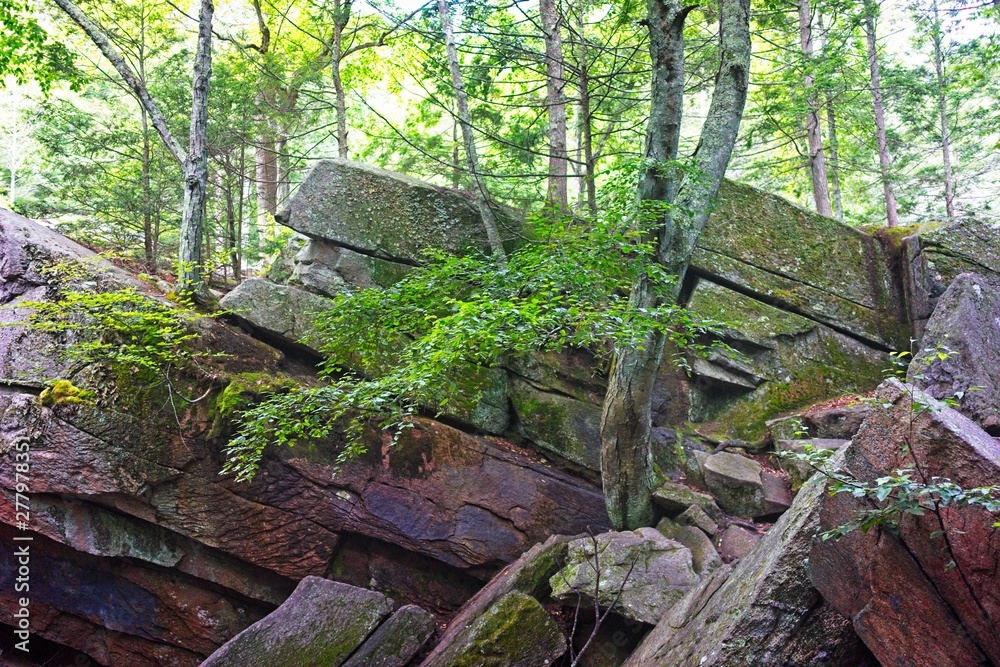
342	13
884	158
587	122
949	183
555	101
626	459
831	131
266	169
196	166
814	137
468	138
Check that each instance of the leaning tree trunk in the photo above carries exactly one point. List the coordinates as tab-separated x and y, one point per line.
468	138
884	159
626	459
814	137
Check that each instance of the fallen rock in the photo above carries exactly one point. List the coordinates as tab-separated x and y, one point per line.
960	352
529	575
643	569
322	623
835	423
674	499
704	555
514	632
926	593
736	542
798	470
396	641
695	516
763	612
735	482
329	269
383	214
278	312
777	494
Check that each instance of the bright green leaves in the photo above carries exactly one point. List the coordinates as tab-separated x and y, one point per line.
26	52
392	352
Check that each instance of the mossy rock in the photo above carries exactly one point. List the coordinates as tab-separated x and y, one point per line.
815	264
385	214
560	424
322	623
514	632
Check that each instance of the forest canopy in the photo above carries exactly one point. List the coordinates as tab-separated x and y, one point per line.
557	97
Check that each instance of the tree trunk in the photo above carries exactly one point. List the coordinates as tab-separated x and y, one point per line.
949	183
469	139
194	162
884	159
340	97
196	165
817	161
267	184
831	131
284	173
555	102
626	460
587	123
148	242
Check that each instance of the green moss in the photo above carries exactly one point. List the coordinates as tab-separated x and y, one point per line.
242	390
744	314
63	391
841	374
515	630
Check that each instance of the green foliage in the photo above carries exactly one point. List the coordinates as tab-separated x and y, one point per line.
390	352
121	327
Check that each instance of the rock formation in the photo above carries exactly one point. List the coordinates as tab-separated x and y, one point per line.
489	520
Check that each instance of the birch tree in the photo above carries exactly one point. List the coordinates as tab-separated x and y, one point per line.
194	160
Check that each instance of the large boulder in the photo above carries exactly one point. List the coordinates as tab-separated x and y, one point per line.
959	354
807	263
764	611
643	573
383	214
280	313
164	559
934	254
322	623
924	592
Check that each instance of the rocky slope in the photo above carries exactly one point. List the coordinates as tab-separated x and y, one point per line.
143	554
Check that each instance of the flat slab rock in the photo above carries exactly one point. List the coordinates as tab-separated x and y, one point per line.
285	312
382	213
396	641
322	623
